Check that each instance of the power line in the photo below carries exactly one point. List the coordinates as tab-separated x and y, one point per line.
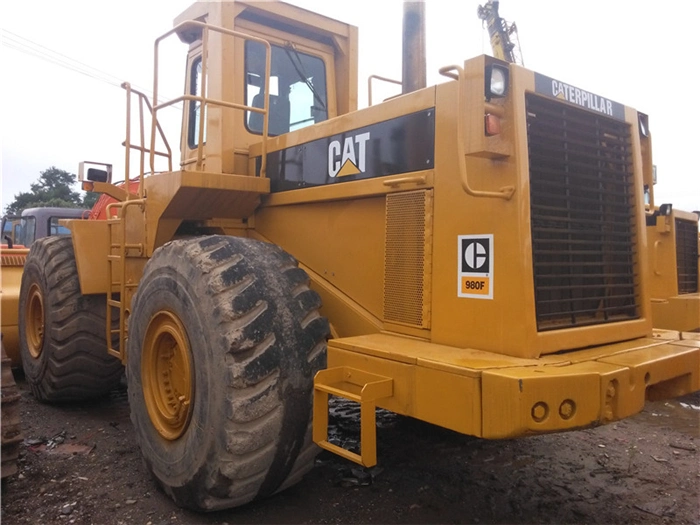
24	45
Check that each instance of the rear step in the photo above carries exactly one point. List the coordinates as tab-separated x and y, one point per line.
359	386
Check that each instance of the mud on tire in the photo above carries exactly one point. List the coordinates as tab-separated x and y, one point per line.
236	320
62	332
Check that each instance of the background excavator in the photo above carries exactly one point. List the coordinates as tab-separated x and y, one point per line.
505	42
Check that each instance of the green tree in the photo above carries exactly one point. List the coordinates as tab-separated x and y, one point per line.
54	188
90	198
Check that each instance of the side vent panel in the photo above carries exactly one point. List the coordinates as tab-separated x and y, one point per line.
407	258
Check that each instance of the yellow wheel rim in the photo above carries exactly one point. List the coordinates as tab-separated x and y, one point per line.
34	317
166	370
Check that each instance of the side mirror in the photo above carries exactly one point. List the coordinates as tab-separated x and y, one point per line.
94	174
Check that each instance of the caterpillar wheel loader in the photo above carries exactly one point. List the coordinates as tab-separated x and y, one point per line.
674	240
471	254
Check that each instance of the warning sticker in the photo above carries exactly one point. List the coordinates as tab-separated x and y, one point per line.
475	266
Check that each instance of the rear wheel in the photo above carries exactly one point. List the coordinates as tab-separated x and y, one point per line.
224	341
62	332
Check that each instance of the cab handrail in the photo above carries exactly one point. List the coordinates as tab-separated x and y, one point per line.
203	99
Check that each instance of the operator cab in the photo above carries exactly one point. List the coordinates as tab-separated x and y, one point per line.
313	77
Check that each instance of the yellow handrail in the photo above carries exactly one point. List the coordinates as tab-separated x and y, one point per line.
505	192
383	79
203	99
142	147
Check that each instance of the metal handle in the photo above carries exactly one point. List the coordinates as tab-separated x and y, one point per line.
415	179
505	192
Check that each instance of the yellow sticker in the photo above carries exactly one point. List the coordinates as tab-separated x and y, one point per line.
475	285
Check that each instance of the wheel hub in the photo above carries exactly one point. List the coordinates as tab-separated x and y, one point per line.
166	369
34	316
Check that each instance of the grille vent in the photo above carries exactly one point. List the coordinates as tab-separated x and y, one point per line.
582	216
687	256
407	258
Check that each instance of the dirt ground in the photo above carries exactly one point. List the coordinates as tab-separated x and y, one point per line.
79	464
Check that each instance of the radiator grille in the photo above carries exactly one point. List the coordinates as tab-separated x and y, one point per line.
687	256
582	216
407	251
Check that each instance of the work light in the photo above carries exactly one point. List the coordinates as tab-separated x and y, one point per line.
496	81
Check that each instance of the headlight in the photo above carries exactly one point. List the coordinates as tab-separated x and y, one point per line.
496	81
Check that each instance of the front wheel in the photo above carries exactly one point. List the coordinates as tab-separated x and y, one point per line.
224	341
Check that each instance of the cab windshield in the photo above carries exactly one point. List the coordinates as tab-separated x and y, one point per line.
298	95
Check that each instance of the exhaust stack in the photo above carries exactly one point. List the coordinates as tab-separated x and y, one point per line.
413	77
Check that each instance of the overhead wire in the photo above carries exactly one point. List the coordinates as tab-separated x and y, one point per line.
24	45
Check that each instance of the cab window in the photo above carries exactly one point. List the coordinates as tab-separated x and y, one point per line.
56	229
298	95
27	231
195	117
9	226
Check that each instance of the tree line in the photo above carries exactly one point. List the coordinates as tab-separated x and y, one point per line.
53	188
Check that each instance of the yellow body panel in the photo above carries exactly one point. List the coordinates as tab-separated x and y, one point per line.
681	312
670	309
91	246
492	396
11	267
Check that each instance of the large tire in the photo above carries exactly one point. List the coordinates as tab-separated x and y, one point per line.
62	332
224	341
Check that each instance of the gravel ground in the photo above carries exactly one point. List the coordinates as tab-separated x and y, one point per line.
79	464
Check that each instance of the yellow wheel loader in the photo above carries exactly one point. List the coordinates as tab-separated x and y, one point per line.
673	240
471	254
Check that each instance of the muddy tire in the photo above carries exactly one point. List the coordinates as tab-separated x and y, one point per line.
11	433
224	341
62	332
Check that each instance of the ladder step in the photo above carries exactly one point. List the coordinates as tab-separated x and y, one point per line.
356	385
353	384
340	390
115	304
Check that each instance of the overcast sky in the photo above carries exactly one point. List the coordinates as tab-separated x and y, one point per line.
634	52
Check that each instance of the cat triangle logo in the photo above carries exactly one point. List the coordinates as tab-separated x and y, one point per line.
348	169
348	156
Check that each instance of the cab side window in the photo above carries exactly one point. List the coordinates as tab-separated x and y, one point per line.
195	110
298	96
27	231
56	229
